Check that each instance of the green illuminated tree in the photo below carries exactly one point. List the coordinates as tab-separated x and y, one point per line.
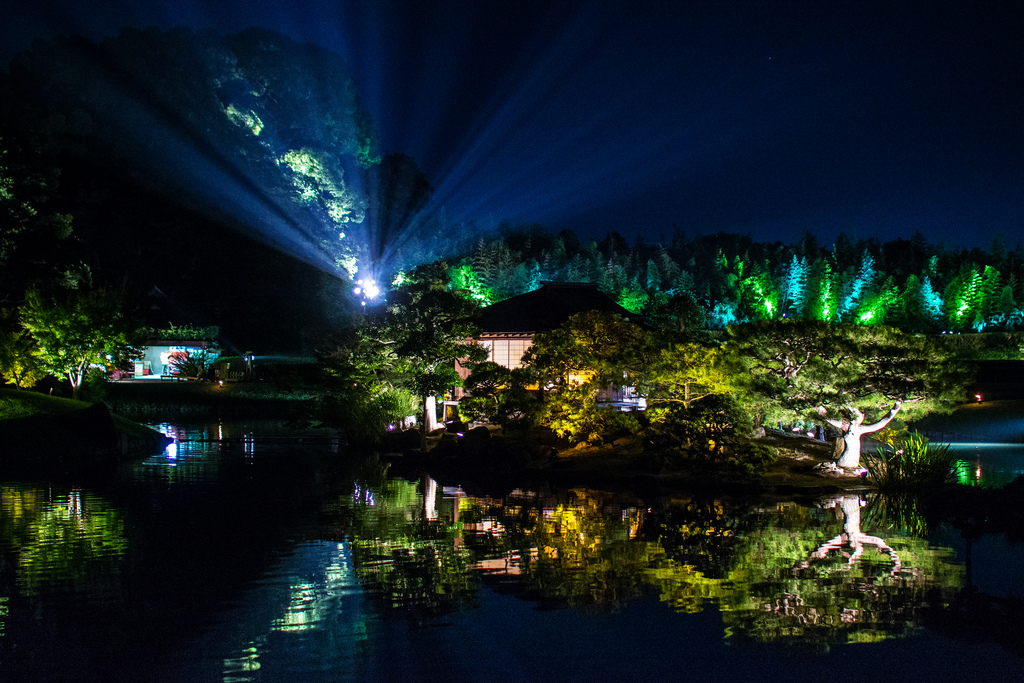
853	378
76	330
685	373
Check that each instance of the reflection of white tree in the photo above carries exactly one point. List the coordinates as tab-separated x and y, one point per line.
852	537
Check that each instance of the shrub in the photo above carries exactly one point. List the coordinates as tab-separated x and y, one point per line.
910	464
94	386
500	396
191	364
364	419
712	430
574	414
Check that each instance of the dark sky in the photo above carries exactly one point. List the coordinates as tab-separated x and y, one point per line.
874	118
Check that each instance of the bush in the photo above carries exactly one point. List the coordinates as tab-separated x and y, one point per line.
910	464
94	386
364	420
500	396
713	430
194	364
574	414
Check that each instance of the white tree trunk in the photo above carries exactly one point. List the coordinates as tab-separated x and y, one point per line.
847	450
431	410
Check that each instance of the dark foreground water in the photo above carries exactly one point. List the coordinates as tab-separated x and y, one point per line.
264	559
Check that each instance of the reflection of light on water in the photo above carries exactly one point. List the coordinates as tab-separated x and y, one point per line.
4	612
312	601
990	465
237	668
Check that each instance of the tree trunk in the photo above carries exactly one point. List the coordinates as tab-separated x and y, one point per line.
429	422
847	448
423	425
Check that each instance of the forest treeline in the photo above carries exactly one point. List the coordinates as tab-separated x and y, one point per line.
713	281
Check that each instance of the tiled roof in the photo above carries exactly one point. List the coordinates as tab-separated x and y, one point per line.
546	308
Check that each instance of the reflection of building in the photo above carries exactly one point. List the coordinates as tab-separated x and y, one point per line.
507	328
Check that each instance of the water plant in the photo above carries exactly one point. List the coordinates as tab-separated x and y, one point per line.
910	464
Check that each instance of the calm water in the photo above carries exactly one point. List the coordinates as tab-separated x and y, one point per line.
242	555
989	464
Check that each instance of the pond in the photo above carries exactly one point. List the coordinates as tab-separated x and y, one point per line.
989	464
244	554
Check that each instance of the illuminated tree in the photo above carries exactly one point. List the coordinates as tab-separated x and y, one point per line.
633	298
759	299
795	286
264	127
18	364
500	395
825	305
429	327
854	289
853	378
685	373
591	351
77	330
466	278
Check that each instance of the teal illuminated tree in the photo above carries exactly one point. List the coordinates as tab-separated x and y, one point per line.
854	289
795	287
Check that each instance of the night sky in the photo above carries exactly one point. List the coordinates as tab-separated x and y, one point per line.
874	118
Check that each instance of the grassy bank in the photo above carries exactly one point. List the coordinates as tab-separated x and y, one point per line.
42	433
175	400
15	404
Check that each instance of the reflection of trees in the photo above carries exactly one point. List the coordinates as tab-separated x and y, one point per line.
851	587
818	575
579	551
852	541
73	540
403	549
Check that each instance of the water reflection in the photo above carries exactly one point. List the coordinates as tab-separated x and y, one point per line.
788	572
59	539
286	562
988	464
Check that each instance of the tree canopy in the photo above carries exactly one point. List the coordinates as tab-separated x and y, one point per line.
77	329
429	327
854	378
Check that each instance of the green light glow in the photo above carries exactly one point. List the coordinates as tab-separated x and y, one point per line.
245	119
315	181
866	317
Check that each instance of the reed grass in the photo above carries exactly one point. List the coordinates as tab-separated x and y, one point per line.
910	465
